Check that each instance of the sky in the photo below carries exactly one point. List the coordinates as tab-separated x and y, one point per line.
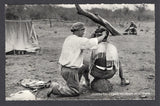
107	6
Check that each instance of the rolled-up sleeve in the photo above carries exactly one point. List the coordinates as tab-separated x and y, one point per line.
88	43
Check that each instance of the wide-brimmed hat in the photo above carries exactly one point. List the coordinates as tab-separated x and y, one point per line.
77	26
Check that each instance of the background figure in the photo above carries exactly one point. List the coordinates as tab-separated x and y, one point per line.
132	28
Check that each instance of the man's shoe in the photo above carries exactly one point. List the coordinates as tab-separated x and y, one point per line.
52	85
49	92
125	82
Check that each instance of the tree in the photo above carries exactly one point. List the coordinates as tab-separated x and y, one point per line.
140	9
97	19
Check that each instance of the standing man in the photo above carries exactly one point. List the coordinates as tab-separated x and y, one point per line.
71	61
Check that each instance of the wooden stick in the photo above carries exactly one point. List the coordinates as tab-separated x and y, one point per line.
97	19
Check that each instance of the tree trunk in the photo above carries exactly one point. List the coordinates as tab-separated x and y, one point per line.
96	18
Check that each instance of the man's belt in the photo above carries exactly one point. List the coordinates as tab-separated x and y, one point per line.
69	67
104	68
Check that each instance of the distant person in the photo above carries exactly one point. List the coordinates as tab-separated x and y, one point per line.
132	28
104	60
71	61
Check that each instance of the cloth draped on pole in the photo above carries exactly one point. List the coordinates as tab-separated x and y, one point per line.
20	35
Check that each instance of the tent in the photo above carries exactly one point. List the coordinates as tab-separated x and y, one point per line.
20	35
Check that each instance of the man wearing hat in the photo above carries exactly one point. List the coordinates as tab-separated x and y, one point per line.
71	61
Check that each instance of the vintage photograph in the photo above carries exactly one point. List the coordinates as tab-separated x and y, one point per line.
79	52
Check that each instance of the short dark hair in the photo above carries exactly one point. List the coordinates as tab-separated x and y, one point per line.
76	26
99	31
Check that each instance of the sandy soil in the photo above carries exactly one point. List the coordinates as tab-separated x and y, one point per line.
137	54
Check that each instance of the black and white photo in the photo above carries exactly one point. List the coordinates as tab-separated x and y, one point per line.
80	52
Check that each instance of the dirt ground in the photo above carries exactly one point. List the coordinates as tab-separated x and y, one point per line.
137	54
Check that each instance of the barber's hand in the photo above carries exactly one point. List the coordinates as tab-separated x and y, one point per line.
104	35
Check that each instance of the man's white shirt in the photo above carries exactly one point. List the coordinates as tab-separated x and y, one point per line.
73	46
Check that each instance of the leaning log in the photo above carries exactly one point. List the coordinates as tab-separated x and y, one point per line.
97	19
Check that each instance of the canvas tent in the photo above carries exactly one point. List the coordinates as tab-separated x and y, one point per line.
20	35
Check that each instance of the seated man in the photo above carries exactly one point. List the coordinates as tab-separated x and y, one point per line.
105	61
132	28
